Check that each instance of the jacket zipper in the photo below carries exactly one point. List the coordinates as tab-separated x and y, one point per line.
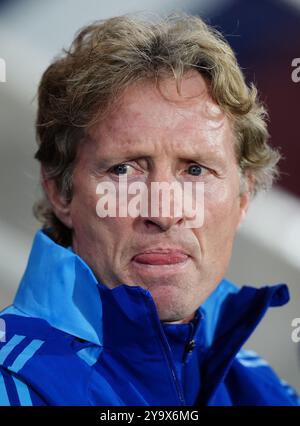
166	350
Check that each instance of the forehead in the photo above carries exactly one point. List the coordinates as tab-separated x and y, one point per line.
188	121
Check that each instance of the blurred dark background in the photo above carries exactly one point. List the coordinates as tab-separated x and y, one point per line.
265	34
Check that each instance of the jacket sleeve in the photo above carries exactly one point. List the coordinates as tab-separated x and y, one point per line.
290	391
260	378
15	392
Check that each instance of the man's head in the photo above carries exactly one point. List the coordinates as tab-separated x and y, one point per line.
159	102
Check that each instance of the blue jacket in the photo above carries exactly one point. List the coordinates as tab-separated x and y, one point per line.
69	340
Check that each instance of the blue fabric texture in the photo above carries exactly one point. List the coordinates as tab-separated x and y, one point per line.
70	340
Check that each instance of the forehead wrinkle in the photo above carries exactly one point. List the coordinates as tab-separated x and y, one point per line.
200	109
129	111
132	123
190	122
195	141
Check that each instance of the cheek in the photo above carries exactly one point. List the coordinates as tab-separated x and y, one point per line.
87	206
119	227
84	218
221	207
216	193
217	233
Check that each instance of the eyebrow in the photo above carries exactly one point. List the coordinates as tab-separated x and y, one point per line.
106	162
210	159
205	157
131	155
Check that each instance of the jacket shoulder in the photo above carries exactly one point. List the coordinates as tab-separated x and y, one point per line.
14	322
252	381
33	354
20	337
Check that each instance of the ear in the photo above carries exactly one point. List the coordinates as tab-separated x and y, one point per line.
245	196
60	205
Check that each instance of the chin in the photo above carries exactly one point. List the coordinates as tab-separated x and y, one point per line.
172	303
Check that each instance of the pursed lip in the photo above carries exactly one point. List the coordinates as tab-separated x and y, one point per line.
158	256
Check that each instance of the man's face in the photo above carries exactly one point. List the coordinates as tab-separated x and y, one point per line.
153	139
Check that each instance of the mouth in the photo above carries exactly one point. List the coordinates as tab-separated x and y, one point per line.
161	261
165	257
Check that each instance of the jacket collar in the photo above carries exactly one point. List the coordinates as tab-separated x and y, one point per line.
59	287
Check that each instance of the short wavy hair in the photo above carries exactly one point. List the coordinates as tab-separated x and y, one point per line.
105	58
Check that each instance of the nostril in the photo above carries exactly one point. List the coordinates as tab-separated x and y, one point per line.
161	223
155	224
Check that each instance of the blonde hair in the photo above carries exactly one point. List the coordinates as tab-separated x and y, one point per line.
110	55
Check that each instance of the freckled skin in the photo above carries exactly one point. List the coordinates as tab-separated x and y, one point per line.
170	135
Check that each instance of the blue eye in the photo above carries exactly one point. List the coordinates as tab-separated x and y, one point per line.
120	169
195	170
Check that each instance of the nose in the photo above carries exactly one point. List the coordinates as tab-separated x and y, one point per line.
165	209
163	224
